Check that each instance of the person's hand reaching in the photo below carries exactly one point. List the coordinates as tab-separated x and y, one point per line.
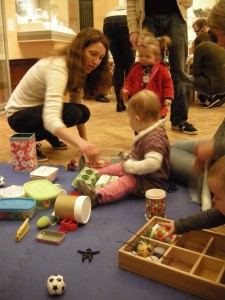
90	151
169	226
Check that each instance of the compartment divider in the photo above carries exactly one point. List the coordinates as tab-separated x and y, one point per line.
196	264
221	274
211	240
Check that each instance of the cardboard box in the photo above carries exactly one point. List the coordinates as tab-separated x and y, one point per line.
194	262
23	150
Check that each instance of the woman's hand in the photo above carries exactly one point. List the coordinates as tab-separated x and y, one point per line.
91	151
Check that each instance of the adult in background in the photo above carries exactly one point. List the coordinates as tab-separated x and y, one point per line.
116	29
197	153
201	25
208	62
162	19
37	104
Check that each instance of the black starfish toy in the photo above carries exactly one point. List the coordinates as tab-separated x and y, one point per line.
88	254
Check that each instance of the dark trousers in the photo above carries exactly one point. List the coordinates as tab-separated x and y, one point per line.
30	120
175	27
116	29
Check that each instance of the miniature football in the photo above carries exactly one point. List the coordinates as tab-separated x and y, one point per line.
2	181
56	285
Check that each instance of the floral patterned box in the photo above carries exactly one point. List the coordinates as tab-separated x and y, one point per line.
23	150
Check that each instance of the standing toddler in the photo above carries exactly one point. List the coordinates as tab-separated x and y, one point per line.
150	73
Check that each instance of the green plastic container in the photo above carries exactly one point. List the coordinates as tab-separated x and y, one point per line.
43	192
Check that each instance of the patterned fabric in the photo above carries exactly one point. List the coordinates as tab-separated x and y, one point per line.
146	74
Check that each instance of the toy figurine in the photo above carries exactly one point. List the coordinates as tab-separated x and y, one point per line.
71	165
88	254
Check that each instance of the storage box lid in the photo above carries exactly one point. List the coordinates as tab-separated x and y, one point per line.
17	204
41	189
13	191
44	171
19	136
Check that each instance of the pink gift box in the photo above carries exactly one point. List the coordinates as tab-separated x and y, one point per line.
23	150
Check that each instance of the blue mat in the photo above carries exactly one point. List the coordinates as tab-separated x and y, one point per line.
26	265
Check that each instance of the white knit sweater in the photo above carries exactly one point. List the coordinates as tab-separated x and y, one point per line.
44	84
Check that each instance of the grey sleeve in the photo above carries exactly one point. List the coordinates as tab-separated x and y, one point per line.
204	220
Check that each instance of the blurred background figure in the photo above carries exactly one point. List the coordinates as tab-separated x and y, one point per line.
201	25
162	19
217	23
116	29
205	77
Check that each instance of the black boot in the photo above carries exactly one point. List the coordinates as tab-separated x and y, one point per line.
102	98
120	106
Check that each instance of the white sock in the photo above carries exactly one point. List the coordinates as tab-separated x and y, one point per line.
206	200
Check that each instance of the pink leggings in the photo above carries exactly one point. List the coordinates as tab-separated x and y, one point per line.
125	185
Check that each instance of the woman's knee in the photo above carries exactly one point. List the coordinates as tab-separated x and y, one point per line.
85	114
75	114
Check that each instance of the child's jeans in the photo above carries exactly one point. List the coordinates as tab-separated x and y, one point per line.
125	185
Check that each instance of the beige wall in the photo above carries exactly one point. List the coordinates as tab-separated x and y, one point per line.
100	9
23	49
40	49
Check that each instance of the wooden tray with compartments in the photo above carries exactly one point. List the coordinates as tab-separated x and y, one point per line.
194	262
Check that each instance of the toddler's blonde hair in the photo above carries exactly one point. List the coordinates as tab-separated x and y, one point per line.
150	42
146	105
157	45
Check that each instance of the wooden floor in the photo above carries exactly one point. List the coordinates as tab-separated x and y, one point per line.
110	130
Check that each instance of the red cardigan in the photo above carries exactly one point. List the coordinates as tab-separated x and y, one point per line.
160	82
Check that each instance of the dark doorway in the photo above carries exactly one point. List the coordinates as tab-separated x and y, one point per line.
86	13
